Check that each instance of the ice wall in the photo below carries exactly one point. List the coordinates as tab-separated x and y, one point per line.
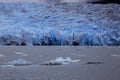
59	24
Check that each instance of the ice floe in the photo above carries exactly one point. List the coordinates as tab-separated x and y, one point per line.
1	55
19	62
21	53
60	61
4	66
116	55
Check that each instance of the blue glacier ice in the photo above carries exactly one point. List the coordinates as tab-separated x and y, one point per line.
59	24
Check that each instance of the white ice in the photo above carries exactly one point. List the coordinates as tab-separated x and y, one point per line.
61	60
19	62
21	53
1	55
4	66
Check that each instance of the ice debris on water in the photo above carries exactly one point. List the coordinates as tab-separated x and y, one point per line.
116	55
21	53
19	62
1	55
12	66
60	61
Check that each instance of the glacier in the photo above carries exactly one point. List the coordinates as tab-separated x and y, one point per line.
49	23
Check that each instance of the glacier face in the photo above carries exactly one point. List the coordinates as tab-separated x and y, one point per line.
59	24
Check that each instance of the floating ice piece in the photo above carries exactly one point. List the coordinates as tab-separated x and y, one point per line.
7	66
116	55
1	55
60	61
82	55
21	53
52	63
68	59
19	62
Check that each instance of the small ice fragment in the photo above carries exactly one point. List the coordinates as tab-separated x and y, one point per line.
59	59
82	55
7	66
65	46
116	55
19	62
21	53
1	55
68	59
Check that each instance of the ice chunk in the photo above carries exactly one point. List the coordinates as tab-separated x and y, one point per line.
68	59
116	55
60	61
12	66
21	53
19	62
1	55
